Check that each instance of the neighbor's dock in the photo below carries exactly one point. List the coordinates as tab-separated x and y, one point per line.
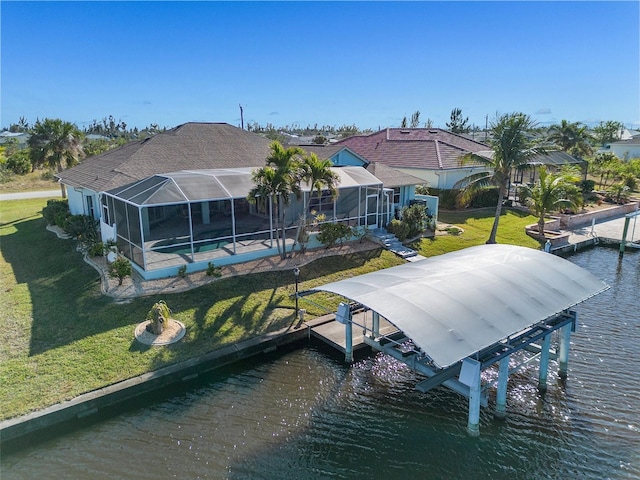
607	231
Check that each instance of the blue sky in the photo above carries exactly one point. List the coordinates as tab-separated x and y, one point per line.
333	63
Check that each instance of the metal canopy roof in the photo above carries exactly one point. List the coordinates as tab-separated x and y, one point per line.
457	304
216	184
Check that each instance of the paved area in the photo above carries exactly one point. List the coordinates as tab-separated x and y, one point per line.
38	194
610	229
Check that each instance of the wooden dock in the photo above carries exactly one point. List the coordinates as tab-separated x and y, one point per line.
331	332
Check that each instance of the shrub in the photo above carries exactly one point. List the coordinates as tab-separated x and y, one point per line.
422	189
19	163
399	228
447	198
82	227
5	173
97	249
120	269
486	197
182	271
213	271
414	216
159	313
618	193
331	233
587	186
56	212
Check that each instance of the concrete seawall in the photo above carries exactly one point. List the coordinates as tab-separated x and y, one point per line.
91	404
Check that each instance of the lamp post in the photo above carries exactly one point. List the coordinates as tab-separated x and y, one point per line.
296	273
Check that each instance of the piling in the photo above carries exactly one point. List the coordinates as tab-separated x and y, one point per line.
501	394
544	363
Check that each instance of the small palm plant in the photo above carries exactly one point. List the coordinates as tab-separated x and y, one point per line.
553	191
157	316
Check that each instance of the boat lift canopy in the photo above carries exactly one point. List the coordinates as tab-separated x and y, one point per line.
457	304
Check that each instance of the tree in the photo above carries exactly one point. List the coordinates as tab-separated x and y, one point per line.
415	119
571	138
457	124
607	165
318	174
513	147
607	132
276	182
55	144
551	192
404	123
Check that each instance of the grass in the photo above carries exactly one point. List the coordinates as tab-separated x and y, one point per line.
59	337
37	180
477	226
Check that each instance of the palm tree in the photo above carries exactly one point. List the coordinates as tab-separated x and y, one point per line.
318	174
277	181
55	144
552	192
513	147
571	138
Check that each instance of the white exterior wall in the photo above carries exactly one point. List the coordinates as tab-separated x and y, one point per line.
622	151
76	201
442	179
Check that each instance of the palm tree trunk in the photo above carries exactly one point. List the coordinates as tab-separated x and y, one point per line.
541	228
496	220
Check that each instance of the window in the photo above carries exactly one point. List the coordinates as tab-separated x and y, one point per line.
90	209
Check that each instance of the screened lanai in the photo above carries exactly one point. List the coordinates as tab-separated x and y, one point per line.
198	216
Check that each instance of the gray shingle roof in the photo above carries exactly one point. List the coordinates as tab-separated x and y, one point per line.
390	177
191	146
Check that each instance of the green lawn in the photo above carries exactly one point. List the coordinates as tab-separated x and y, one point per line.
476	225
59	337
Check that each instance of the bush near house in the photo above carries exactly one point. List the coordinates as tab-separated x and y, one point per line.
120	269
332	233
399	228
56	212
83	228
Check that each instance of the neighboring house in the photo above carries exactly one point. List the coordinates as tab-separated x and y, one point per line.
431	154
20	138
554	160
180	197
624	149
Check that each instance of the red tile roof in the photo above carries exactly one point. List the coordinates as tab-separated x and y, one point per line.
427	148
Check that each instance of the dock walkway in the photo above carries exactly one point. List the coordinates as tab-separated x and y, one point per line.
606	231
328	330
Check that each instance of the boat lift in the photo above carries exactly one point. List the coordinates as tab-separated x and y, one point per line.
461	313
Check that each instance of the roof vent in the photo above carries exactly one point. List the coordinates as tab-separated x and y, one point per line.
405	131
433	131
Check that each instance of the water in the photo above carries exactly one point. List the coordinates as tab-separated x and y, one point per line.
302	414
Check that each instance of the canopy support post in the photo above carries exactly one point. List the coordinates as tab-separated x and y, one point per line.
565	341
473	425
348	348
375	328
544	363
470	376
501	395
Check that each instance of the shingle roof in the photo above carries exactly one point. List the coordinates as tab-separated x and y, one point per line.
426	148
191	146
390	177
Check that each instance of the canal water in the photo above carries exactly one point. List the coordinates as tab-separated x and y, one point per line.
302	414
